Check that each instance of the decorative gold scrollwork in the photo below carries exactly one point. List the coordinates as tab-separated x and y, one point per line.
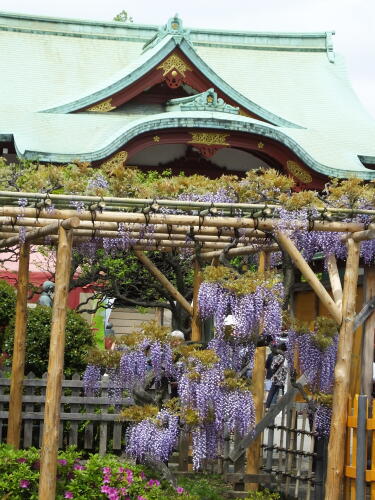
102	107
116	160
174	62
299	172
209	138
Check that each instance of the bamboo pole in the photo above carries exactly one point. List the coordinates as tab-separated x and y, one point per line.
19	348
164	281
309	275
146	202
334	279
48	458
186	220
41	232
9	223
245	250
336	445
253	452
368	334
196	323
368	234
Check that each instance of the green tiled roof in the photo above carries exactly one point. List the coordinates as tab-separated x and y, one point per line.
292	80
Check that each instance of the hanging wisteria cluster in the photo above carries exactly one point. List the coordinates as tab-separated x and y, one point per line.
214	398
253	300
314	354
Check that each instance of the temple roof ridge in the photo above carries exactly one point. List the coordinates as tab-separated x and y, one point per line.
266	40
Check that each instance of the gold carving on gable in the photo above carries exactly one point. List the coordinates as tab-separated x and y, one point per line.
115	161
209	138
156	138
174	62
102	107
260	145
299	172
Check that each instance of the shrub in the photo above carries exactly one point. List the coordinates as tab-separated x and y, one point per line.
78	339
7	303
205	486
263	495
101	477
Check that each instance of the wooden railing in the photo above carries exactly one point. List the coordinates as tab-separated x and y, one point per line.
87	422
360	451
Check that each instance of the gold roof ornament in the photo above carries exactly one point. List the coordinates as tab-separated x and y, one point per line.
209	138
116	160
299	172
102	107
174	62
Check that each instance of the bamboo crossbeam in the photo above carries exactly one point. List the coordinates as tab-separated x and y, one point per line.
336	445
368	234
296	256
145	202
72	222
334	279
10	223
19	349
185	220
245	250
164	281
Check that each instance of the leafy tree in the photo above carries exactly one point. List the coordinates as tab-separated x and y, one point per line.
79	338
123	17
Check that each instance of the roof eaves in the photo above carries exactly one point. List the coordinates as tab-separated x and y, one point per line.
204	120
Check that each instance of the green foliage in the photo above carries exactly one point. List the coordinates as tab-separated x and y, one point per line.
78	339
7	303
123	17
263	495
240	284
205	486
19	477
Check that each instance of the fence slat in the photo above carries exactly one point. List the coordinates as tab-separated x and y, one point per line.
103	429
73	431
360	488
28	424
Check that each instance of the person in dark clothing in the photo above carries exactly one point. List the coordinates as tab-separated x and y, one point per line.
279	374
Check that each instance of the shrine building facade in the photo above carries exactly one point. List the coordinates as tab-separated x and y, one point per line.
192	100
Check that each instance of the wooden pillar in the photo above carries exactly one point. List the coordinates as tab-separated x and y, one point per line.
368	334
336	445
48	458
19	347
253	452
196	323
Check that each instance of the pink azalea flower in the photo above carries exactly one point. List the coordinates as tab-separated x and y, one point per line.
79	467
142	475
180	490
106	470
153	482
24	483
62	461
21	460
68	494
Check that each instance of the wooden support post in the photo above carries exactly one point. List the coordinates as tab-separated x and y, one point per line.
368	334
287	244
196	323
19	347
334	279
164	281
336	445
253	452
48	458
